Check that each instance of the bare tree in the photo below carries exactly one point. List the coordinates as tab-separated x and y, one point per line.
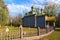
50	9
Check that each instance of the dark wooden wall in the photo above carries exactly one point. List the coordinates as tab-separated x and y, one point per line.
29	21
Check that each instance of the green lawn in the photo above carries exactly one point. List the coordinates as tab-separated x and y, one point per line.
54	36
3	28
14	31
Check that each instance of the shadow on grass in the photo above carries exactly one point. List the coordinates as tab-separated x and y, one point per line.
57	29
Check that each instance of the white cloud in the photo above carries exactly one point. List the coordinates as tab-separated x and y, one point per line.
58	1
15	8
50	0
55	1
40	6
42	1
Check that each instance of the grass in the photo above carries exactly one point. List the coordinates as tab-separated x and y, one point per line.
3	28
54	36
14	31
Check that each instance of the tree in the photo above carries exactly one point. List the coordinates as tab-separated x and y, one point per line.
19	19
50	9
16	21
3	13
58	20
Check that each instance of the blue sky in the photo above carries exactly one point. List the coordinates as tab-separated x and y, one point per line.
22	6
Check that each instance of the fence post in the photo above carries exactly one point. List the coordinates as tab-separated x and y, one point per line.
7	30
1	35
21	31
47	30
38	30
54	25
11	35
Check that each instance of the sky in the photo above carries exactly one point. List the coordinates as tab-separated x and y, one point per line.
21	6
